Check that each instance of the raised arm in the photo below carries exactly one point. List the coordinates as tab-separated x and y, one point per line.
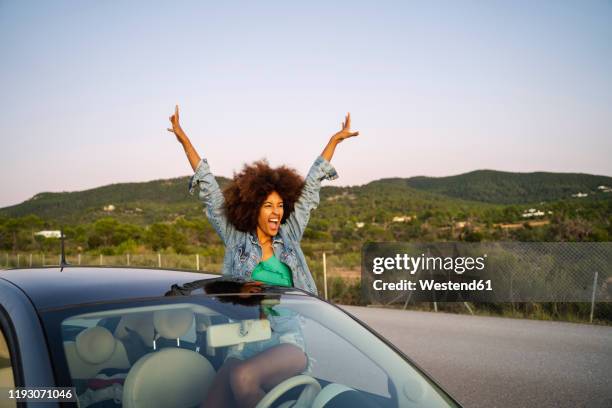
320	170
344	133
181	136
210	194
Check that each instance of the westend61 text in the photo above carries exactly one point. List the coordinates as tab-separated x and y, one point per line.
429	284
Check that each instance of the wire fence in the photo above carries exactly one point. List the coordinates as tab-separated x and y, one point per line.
194	262
510	272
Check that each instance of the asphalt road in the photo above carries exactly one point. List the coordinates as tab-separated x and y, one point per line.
499	362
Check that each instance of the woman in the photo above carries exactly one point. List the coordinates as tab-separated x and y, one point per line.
261	217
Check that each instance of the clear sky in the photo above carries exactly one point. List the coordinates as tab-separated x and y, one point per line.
435	88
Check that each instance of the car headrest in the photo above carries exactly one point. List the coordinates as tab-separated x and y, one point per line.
141	323
171	377
95	345
171	324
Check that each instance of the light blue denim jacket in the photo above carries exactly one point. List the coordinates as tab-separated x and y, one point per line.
242	249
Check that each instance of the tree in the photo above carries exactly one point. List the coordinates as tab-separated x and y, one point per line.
103	232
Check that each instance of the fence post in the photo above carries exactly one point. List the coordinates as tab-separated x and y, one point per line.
101	259
159	259
43	259
30	260
79	259
435	303
197	262
325	276
467	306
7	260
593	297
128	259
18	259
59	259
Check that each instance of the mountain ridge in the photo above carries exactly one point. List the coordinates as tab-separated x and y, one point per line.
477	186
500	187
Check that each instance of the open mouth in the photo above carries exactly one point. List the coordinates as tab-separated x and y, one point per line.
273	223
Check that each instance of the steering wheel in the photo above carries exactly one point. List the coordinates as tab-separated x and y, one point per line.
306	397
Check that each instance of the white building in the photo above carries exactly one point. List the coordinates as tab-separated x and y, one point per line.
403	218
49	234
532	212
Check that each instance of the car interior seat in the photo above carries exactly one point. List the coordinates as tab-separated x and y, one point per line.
171	376
93	350
98	364
137	333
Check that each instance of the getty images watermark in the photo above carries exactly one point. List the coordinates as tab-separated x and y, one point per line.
487	272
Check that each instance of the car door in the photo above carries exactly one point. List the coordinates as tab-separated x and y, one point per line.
26	344
7	377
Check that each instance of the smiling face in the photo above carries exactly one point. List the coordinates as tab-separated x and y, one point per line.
270	215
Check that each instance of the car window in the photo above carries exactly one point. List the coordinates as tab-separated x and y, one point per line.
6	371
338	361
169	351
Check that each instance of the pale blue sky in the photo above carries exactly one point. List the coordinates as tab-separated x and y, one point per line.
435	87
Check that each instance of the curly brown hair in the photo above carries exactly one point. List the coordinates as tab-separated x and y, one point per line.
245	195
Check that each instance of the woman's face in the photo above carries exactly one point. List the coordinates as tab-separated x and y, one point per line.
270	214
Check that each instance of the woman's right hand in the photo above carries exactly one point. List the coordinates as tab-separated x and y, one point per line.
345	131
176	126
190	151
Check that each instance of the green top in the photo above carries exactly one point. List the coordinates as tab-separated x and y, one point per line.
272	271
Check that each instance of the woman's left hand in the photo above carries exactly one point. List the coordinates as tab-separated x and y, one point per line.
345	132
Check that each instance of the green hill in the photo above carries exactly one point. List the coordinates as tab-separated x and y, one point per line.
500	187
165	200
455	197
141	203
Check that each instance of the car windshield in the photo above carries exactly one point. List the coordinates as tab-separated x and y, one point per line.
169	352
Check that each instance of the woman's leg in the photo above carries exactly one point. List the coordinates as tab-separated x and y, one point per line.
252	378
220	393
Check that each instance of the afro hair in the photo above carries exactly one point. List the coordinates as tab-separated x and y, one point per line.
248	190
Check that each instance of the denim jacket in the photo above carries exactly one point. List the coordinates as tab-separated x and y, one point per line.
242	249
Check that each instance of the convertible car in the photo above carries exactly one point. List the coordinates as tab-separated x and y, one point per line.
156	338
